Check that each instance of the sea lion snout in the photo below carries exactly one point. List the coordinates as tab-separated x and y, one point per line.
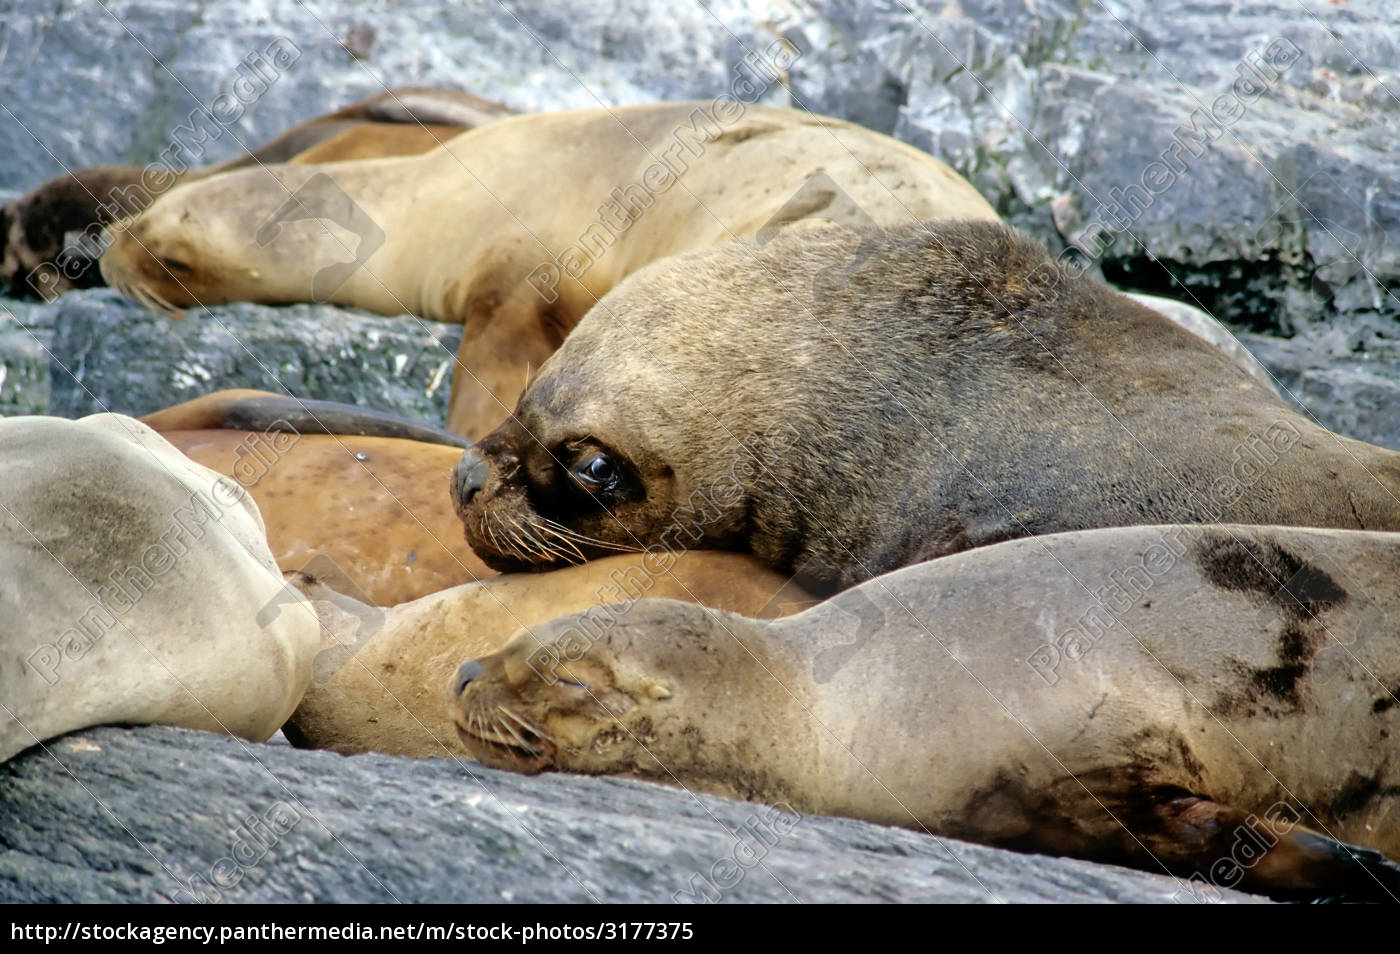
470	476
471	669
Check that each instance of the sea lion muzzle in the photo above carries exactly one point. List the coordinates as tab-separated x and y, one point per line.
470	476
471	669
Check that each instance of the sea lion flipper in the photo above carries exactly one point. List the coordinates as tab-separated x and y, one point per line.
428	105
289	414
1271	852
244	409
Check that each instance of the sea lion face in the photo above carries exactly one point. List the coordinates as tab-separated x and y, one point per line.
35	260
51	237
534	497
209	242
151	263
628	438
593	462
529	707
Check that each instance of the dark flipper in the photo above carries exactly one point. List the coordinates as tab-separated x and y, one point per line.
1271	853
430	105
286	414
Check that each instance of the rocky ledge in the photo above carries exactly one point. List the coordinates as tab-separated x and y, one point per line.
159	814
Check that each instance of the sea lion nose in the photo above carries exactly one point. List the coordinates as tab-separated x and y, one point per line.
472	474
471	669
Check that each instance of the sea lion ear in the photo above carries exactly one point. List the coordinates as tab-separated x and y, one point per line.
657	691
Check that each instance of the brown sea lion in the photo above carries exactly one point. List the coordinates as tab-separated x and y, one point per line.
50	237
378	685
517	228
961	388
334	483
132	582
1230	718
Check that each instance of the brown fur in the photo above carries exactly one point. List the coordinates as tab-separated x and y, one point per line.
386	693
36	227
464	227
373	505
945	716
960	389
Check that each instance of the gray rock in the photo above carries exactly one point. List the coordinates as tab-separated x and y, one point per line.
1353	393
159	814
25	332
111	354
91	84
1285	218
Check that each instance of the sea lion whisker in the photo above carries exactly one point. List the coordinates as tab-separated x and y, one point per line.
161	300
551	548
526	724
529	538
515	733
524	546
576	552
154	302
574	535
508	532
489	525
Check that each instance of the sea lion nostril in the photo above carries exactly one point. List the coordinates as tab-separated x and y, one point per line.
470	670
472	474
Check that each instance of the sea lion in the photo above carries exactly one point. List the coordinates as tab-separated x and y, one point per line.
517	228
1230	717
1205	325
378	684
50	236
132	586
336	483
960	389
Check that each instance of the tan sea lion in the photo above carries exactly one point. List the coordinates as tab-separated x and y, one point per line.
39	256
517	228
367	492
378	686
1229	716
960	389
132	582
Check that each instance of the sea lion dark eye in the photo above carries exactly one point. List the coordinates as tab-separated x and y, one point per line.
597	471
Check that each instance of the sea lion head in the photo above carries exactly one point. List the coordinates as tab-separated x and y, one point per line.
655	424
258	234
591	694
159	260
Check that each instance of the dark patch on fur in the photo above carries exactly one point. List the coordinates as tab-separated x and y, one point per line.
1295	650
1385	702
1355	794
556	321
1268	570
1300	592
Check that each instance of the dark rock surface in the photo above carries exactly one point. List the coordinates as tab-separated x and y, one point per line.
136	814
114	355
